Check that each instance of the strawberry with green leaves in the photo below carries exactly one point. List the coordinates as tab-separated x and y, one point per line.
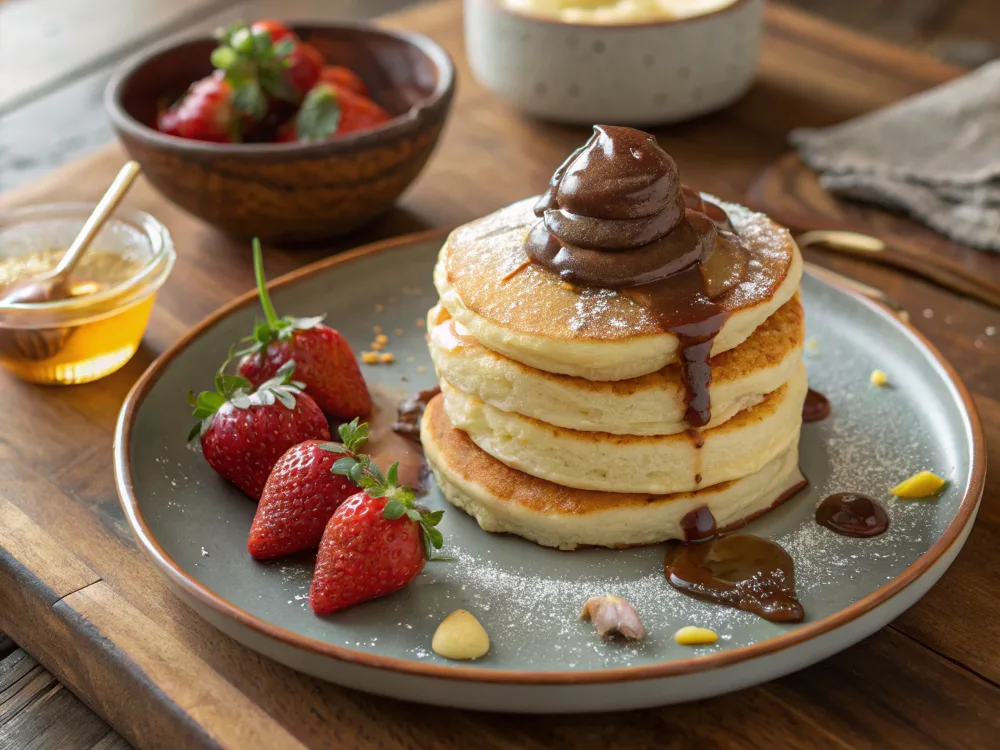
324	360
302	493
376	542
244	431
265	63
330	110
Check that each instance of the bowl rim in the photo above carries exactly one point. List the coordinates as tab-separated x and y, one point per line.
627	26
147	281
178	578
123	121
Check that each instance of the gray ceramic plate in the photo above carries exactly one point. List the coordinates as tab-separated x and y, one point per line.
194	525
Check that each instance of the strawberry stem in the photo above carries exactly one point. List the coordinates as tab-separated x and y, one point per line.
265	299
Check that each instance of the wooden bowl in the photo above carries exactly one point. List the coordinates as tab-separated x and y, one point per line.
291	191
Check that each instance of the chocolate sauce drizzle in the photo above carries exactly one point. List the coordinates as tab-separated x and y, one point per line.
851	514
411	410
816	407
615	215
738	570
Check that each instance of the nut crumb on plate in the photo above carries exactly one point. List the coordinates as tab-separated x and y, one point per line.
878	378
691	635
612	614
460	636
921	484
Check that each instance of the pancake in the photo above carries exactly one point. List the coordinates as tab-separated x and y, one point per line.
519	309
502	499
658	464
648	405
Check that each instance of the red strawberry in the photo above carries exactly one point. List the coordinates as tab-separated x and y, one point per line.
344	78
244	432
276	29
330	110
303	65
324	360
204	113
301	494
266	63
376	542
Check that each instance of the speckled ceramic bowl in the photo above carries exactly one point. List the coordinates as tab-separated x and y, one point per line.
644	73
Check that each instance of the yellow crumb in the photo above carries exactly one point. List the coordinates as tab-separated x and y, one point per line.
812	344
690	635
369	358
386	357
420	322
878	378
379	308
921	484
382	339
398	331
377	329
421	370
377	345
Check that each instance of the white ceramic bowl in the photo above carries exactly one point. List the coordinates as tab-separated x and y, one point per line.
644	73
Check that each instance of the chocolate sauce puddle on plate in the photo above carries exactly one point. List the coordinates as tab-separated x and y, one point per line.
851	514
615	215
738	570
386	446
816	407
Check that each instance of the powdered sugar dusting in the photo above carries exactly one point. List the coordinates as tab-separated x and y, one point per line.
483	255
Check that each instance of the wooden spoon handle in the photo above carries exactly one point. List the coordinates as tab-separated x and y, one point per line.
107	205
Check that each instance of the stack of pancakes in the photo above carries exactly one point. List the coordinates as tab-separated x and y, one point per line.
562	416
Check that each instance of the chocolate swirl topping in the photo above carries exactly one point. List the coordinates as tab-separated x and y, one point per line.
615	215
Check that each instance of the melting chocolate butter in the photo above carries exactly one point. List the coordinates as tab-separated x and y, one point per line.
615	215
851	514
816	407
738	570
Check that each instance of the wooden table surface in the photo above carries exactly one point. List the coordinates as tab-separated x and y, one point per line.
79	597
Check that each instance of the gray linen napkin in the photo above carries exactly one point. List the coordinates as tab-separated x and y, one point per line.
935	155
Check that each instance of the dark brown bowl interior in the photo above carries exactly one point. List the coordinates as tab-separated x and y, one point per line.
291	191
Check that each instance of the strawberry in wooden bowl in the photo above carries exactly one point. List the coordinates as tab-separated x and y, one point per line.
288	133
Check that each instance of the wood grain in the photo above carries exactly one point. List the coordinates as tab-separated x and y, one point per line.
36	711
964	32
96	614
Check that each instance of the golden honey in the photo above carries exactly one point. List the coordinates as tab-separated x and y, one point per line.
76	352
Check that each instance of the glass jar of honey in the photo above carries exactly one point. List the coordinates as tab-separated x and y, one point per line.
98	328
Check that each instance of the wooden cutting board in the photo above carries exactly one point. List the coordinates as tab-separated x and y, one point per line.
790	192
77	594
